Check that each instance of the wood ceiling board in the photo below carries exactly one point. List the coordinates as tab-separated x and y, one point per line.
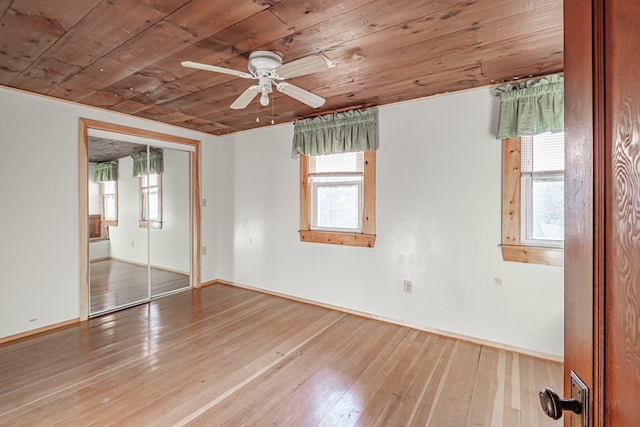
368	23
416	82
104	150
371	63
4	5
25	38
7	75
518	64
166	80
105	28
408	90
130	57
252	33
384	51
44	77
202	125
30	28
545	20
485	11
533	51
200	19
137	85
303	14
102	99
362	57
128	106
166	115
157	42
202	102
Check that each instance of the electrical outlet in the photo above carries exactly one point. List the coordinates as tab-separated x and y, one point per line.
204	250
408	287
132	243
204	203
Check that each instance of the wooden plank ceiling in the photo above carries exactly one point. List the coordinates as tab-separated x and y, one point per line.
125	55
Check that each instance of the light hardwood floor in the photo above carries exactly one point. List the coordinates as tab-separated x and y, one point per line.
115	283
228	356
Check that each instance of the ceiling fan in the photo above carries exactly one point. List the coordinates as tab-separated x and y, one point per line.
267	68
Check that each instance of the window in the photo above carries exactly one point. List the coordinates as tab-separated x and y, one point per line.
337	199
109	207
336	192
533	199
542	184
151	201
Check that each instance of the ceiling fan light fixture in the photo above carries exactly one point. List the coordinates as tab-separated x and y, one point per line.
264	99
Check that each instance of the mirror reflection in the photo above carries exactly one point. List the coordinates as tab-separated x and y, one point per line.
139	223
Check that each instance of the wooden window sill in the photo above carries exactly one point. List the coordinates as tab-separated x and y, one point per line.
150	224
533	254
334	238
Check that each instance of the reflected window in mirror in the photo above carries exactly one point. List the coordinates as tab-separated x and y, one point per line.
151	201
109	208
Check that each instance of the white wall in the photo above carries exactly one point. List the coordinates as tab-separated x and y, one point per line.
438	224
99	249
39	266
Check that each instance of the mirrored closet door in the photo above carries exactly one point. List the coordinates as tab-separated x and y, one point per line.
139	203
166	199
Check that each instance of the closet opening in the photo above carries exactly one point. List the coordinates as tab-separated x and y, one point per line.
139	216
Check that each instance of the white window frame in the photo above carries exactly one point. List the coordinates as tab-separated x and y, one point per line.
103	205
144	222
316	185
526	186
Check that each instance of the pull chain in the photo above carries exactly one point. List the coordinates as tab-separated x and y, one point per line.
273	114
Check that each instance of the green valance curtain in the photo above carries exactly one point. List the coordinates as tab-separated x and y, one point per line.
531	107
140	163
347	132
105	171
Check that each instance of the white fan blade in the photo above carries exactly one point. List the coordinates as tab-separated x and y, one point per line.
245	98
303	66
215	69
301	95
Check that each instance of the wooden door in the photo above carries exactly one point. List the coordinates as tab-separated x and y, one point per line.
602	247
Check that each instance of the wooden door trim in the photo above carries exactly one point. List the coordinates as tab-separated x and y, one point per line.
601	165
83	173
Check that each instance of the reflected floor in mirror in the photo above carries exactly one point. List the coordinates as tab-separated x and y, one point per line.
222	355
115	283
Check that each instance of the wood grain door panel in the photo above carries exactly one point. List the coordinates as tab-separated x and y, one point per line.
602	247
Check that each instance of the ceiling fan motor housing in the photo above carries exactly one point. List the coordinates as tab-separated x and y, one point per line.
263	63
